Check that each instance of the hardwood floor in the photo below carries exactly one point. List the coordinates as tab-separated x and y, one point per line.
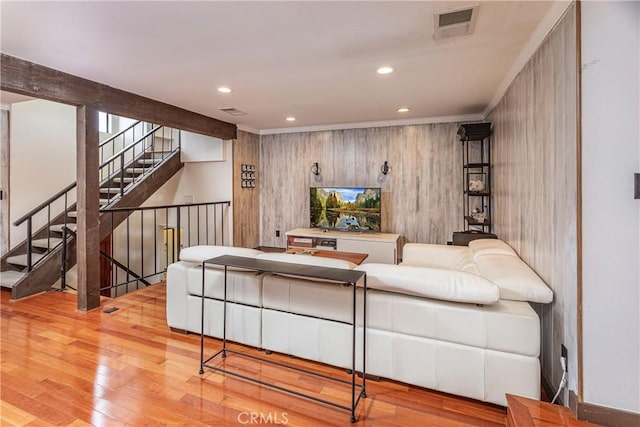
63	367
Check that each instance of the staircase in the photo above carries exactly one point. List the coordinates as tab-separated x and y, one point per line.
129	176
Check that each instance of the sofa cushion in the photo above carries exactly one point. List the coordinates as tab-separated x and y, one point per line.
204	252
307	260
447	285
516	280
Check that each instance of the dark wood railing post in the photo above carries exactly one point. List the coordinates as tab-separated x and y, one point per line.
88	234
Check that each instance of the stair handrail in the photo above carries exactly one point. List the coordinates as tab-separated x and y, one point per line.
119	134
116	165
28	218
44	204
176	205
130	146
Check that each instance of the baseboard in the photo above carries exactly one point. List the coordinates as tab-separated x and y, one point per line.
573	403
603	415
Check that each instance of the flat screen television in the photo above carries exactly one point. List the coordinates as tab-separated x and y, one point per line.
345	208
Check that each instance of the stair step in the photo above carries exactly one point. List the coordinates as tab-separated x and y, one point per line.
46	243
148	161
9	278
136	170
110	190
22	259
105	202
58	227
126	179
72	214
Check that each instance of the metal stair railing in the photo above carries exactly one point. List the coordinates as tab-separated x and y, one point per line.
142	247
114	166
116	142
64	195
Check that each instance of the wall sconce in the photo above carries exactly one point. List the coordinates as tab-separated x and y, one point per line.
384	170
315	170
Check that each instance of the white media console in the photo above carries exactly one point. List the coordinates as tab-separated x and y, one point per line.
381	247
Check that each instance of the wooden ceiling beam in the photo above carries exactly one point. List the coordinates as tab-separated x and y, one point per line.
27	78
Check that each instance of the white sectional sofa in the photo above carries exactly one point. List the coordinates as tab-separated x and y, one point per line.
449	318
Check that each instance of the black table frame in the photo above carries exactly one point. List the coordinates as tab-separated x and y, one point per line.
349	277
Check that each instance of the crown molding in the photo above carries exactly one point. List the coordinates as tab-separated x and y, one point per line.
248	129
376	124
544	28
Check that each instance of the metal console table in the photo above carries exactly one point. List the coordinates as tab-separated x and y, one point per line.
350	277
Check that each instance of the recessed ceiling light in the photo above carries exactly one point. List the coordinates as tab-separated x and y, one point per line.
291	119
224	89
385	70
402	110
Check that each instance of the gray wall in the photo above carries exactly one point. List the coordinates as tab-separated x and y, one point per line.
535	184
421	196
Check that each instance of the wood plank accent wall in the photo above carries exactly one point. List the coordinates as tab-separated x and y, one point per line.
421	196
246	202
28	78
535	183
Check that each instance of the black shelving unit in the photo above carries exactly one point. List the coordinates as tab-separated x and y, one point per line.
476	168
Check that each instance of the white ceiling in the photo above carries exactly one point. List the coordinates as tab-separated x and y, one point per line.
316	61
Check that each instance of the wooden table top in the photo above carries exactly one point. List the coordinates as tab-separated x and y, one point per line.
354	257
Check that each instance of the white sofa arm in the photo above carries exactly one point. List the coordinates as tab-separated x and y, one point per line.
177	294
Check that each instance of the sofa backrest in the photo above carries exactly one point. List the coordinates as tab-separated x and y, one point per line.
435	283
198	254
458	258
499	263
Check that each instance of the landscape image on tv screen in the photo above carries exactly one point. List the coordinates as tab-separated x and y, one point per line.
347	209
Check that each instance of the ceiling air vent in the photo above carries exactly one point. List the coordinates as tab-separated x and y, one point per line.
233	111
454	22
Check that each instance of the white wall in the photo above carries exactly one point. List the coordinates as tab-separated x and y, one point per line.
201	148
198	182
611	216
43	158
